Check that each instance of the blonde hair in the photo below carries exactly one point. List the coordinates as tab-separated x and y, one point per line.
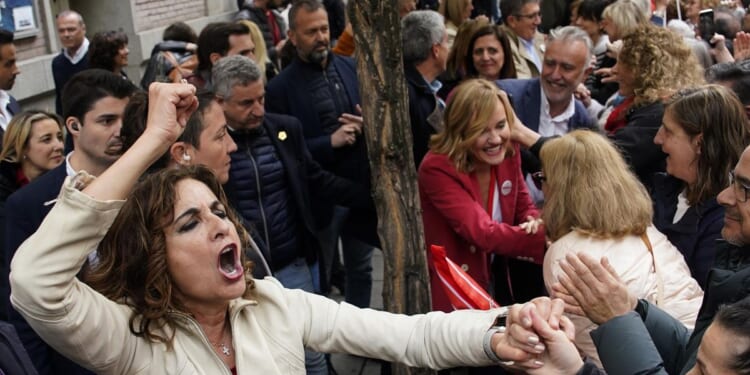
18	133
626	16
261	54
661	62
465	119
453	10
591	189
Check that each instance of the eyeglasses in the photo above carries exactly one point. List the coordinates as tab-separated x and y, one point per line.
539	179
740	189
531	16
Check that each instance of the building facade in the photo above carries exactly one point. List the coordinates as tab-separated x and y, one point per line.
142	20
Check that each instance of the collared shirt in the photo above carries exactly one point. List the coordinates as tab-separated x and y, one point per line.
5	115
69	168
529	46
558	125
79	53
435	86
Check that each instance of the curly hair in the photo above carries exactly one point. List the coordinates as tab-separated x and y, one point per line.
465	119
105	45
715	114
587	177
132	267
661	62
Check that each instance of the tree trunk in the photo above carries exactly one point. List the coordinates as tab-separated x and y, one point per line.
377	34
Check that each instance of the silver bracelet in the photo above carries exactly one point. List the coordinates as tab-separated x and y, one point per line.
487	344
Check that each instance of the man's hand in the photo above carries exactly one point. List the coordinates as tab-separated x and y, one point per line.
741	46
596	287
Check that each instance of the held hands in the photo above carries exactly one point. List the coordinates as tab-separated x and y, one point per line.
539	338
592	289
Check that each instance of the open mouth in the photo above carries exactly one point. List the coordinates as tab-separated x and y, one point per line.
229	263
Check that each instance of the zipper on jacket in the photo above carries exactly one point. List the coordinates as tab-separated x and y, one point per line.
260	198
208	344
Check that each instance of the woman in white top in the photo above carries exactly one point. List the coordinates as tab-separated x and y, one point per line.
596	205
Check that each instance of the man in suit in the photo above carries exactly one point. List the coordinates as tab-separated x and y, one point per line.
74	56
8	72
521	20
93	104
321	90
546	104
274	183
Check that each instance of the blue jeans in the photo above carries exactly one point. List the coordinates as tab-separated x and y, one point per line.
298	275
357	257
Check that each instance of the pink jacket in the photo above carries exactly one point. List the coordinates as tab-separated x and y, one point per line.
453	217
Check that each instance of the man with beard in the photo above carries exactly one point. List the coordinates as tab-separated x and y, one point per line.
8	72
321	90
93	105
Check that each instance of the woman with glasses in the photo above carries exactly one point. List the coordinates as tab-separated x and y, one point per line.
703	133
474	199
596	205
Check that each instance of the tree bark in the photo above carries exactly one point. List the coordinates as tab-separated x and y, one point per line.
377	35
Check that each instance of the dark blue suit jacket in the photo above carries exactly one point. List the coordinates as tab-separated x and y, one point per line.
25	210
526	98
289	94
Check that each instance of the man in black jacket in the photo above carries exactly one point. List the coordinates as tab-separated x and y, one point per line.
274	183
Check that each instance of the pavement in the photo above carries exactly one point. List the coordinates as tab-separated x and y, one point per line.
345	364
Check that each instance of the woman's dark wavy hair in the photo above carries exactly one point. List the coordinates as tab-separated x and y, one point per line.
104	47
509	67
714	113
132	267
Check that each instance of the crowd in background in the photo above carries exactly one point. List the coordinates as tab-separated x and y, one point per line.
589	154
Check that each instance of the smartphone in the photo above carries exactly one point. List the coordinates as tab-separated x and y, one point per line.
706	25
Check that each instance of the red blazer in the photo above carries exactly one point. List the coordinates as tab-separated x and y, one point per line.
453	217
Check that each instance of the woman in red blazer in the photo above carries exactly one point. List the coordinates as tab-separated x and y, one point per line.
474	199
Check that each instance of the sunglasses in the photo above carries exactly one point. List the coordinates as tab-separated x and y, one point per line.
539	179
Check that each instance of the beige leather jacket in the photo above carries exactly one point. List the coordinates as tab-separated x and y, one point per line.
270	331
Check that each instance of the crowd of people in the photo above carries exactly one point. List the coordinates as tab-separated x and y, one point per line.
589	172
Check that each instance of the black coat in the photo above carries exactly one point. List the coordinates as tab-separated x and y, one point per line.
306	181
656	343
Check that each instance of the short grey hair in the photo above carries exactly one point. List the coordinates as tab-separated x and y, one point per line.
570	34
232	71
420	30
